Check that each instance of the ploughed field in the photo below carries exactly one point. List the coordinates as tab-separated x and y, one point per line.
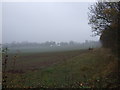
64	69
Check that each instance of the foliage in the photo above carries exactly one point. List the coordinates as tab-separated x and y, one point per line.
104	15
105	21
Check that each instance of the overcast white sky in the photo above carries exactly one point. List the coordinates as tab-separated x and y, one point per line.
0	22
40	22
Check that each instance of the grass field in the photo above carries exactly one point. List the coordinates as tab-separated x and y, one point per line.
65	69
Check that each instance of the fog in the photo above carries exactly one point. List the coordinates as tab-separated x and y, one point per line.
50	21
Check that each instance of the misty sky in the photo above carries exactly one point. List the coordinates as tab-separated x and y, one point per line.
40	22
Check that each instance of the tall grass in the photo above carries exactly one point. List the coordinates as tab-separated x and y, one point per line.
4	80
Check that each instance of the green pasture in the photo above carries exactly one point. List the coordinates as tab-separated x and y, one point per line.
68	69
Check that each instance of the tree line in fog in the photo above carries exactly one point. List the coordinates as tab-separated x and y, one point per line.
92	44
